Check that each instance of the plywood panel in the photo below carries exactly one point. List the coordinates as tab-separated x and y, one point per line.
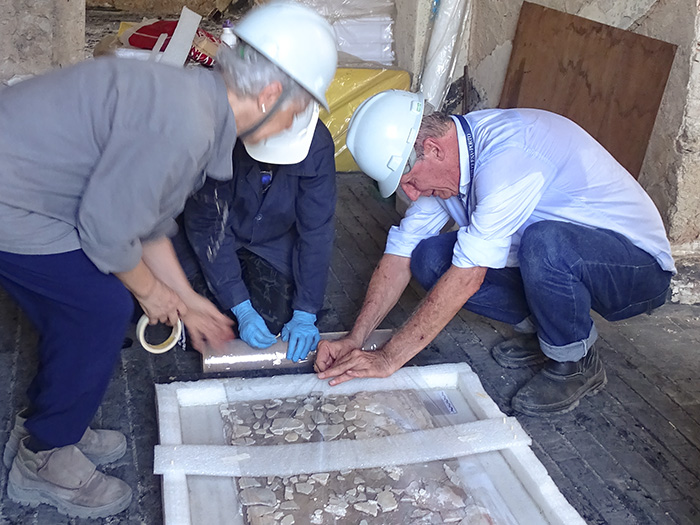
608	80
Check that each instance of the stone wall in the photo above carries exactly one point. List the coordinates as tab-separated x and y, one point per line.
36	35
671	171
162	7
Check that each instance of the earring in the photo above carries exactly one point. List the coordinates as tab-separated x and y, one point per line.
263	108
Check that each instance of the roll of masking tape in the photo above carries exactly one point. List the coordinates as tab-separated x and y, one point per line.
160	348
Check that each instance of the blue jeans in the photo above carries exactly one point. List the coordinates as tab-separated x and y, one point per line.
565	271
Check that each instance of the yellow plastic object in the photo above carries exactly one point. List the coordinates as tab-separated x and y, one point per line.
123	26
349	88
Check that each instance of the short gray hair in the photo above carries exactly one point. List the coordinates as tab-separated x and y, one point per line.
246	72
434	125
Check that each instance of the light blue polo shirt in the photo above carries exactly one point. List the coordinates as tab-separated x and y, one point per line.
531	165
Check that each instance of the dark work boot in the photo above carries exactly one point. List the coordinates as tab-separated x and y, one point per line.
559	387
518	352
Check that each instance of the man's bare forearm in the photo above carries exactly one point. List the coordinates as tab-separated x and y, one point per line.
389	280
443	302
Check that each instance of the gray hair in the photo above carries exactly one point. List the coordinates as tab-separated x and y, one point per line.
246	72
432	126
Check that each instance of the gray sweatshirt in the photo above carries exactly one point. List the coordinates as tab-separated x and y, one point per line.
102	155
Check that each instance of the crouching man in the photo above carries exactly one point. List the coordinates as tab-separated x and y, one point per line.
551	227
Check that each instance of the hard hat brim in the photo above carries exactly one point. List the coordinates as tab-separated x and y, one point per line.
290	146
389	185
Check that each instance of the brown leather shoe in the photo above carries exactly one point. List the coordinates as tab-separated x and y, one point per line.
64	478
559	387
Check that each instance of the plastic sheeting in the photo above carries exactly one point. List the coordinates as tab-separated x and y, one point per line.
365	28
426	445
441	57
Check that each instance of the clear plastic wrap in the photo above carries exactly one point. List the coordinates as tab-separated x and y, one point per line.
446	35
424	446
365	28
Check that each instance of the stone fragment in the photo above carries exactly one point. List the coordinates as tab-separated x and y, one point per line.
336	418
387	501
330	432
318	418
240	431
286	424
317	517
258	413
291	437
287	520
258	496
336	506
246	483
289	505
270	414
304	488
447	499
259	511
368	507
321	477
451	516
394	472
288	493
350	415
328	408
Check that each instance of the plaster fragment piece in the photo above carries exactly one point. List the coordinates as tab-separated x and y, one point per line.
291	437
258	414
259	511
271	413
240	431
286	424
288	493
368	507
304	488
321	477
363	522
318	418
448	499
330	432
387	501
336	506
336	418
246	483
350	415
257	496
287	520
328	408
289	505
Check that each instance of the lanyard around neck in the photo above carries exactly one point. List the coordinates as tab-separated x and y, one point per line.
472	154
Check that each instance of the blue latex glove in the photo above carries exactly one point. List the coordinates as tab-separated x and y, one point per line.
302	334
251	326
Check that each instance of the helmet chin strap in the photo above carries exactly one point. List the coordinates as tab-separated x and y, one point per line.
247	133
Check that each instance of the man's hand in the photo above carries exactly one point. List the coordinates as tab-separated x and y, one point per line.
355	363
328	352
205	323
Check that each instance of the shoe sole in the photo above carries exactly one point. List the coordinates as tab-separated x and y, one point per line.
34	497
568	408
12	447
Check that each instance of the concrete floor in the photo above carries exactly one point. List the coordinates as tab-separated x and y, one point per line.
629	455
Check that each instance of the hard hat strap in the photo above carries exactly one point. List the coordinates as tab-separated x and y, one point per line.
280	100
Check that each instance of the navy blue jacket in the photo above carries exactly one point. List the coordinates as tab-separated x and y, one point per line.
290	225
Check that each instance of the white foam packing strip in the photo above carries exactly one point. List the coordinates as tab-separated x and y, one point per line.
306	458
217	391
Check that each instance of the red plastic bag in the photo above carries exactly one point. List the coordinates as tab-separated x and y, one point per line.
203	48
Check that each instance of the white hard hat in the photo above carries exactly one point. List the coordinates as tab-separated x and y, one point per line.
290	146
297	40
381	135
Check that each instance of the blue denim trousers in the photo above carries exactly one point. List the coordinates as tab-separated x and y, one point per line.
565	271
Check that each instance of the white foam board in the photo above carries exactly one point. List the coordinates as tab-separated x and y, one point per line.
200	469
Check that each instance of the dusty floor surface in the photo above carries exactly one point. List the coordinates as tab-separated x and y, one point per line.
629	455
